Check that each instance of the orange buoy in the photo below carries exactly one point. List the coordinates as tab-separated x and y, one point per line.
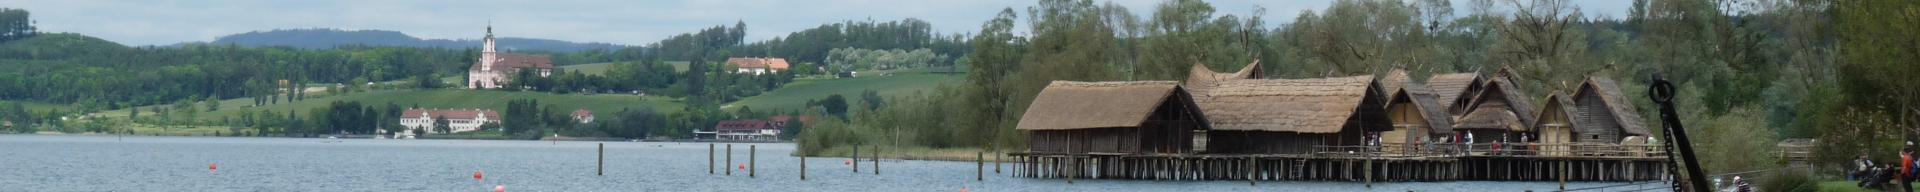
743	166
213	167
963	189
499	188
477	175
848	162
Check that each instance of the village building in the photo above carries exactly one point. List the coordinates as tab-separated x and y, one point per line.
1555	125
1292	116
1417	115
459	120
1135	117
583	116
757	66
1200	78
1499	112
743	130
1603	114
494	69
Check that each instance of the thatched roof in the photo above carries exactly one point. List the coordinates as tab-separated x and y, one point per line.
1564	104
1516	106
1453	87
1423	100
1067	105
1617	103
1393	80
1201	78
1292	105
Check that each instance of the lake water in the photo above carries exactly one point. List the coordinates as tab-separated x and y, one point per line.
107	163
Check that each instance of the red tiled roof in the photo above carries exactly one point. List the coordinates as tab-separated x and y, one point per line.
754	62
450	113
582	113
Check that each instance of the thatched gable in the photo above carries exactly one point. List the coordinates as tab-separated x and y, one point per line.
1455	90
1085	105
1424	101
1296	105
1393	80
1615	102
1499	106
1201	77
1557	104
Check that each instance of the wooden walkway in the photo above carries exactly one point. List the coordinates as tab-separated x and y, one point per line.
1577	162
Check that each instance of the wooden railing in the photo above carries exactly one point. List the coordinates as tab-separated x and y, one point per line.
1490	149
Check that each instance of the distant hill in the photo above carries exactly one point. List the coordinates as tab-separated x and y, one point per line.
330	38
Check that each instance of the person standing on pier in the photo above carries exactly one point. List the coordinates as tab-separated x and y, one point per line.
1861	167
1905	176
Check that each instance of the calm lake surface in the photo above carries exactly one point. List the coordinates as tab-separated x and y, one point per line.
107	163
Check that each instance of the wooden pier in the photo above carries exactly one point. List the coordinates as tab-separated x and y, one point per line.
1363	164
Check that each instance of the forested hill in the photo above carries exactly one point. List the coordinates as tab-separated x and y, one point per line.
329	38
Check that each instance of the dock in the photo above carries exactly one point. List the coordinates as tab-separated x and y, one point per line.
1599	162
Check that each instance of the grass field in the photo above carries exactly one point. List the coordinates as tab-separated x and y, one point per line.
442	98
796	94
601	68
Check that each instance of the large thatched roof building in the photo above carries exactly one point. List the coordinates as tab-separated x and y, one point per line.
1139	117
1604	113
1498	111
1291	115
1555	124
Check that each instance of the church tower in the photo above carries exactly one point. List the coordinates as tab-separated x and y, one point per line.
486	51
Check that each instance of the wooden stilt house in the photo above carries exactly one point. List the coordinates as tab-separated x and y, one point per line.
1554	126
1137	117
1604	113
1416	114
1292	116
1500	112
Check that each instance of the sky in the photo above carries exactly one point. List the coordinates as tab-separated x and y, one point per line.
627	22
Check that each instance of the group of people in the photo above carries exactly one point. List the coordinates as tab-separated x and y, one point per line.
1901	174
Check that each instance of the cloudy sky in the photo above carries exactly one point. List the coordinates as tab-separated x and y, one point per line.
162	22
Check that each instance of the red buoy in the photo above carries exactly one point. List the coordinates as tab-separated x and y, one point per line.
848	162
963	189
477	175
743	166
213	167
499	188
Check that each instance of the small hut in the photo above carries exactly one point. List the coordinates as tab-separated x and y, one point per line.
1137	117
1555	124
1291	116
1416	114
1500	112
1455	90
1604	114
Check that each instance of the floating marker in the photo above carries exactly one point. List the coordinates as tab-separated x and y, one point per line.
499	188
963	189
213	167
477	175
743	166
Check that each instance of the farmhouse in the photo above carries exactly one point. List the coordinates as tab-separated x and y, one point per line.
1291	116
583	116
757	66
494	69
1137	117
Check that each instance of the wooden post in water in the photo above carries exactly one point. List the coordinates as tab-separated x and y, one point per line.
803	167
751	156
876	160
600	166
856	158
1563	175
980	166
1369	172
709	158
729	159
996	159
1253	175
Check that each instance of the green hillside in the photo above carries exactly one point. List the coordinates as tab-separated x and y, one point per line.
796	94
443	98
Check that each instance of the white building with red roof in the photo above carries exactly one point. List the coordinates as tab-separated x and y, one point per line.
460	120
493	68
583	116
757	66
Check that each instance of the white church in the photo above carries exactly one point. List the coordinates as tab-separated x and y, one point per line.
494	69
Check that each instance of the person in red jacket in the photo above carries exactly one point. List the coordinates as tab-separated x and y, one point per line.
1906	168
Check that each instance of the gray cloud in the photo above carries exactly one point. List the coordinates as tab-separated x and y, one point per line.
148	22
